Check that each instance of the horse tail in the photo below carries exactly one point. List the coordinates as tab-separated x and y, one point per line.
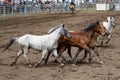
10	43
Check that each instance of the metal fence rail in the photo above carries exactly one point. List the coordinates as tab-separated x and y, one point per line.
42	8
33	8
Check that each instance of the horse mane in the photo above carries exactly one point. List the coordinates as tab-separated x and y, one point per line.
53	29
91	26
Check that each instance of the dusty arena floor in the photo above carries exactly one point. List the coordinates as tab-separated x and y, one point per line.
39	24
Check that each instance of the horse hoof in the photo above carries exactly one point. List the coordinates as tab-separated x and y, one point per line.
12	64
101	62
88	61
30	66
62	64
81	60
73	65
36	65
55	61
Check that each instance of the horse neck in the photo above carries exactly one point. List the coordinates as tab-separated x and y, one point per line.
106	24
109	25
56	35
94	41
95	36
90	33
61	39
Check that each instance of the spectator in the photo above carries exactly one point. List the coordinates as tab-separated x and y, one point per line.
0	3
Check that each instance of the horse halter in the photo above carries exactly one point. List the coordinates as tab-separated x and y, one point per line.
112	24
67	34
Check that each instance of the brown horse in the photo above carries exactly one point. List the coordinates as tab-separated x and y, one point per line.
93	44
72	7
81	40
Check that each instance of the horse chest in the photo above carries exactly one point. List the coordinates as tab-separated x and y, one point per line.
108	26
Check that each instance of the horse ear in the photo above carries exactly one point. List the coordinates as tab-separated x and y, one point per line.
63	25
110	17
97	22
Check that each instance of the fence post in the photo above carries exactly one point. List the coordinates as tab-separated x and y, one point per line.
25	9
4	10
12	8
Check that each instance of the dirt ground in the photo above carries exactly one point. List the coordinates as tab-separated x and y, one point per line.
39	24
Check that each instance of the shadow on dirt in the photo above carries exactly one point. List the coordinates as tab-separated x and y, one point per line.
107	46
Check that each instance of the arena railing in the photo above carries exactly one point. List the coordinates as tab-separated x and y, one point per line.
17	9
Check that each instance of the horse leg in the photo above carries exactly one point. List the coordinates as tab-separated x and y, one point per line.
96	52
77	53
25	56
18	55
72	11
69	52
108	39
46	60
101	40
43	56
63	59
90	56
61	49
85	55
55	52
89	52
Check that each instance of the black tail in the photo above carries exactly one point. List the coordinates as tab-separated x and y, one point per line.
9	44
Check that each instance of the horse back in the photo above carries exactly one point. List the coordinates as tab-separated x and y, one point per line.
77	39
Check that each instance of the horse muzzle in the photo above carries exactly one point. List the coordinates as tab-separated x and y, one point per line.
69	36
114	26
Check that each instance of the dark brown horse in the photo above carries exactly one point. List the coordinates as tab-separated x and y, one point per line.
81	40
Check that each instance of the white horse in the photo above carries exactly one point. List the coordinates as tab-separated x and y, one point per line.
44	43
109	25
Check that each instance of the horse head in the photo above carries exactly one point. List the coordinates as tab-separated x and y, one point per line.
99	28
62	29
65	32
111	20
